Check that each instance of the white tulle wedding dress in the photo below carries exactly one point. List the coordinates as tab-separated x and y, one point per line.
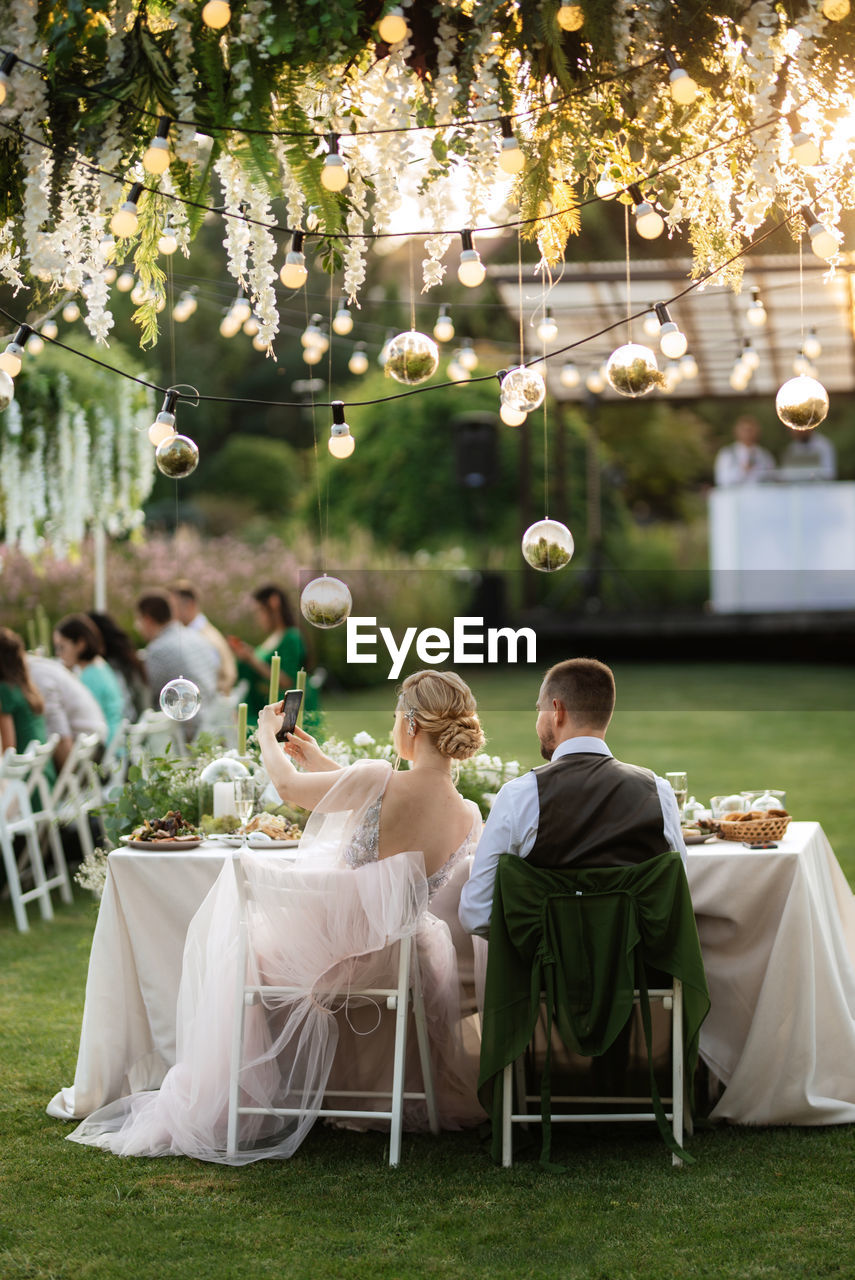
319	924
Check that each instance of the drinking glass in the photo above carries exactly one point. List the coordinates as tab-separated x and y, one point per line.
244	802
680	786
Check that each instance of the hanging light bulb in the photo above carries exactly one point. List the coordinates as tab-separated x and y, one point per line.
803	149
168	241
689	367
230	324
511	417
595	382
50	329
163	427
241	308
312	355
547	329
802	367
251	326
749	356
443	330
5	68
156	158
672	341
456	372
824	243
605	186
110	275
739	376
35	345
125	221
812	347
334	174
126	282
569	376
341	443
756	313
7	395
650	323
184	307
835	10
70	312
570	17
293	273
260	344
511	158
671	376
358	362
216	14
392	27
471	271
684	89
313	336
140	294
648	223
107	247
467	356
10	360
342	320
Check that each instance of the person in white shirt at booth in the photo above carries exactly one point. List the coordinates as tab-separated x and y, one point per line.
745	461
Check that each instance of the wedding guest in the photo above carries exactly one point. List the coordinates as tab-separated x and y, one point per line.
21	704
70	708
276	618
122	657
185	607
582	809
78	645
173	651
745	461
811	455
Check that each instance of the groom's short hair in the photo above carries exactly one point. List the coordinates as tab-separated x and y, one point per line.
586	687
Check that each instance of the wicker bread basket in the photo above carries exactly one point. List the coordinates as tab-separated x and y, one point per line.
757	831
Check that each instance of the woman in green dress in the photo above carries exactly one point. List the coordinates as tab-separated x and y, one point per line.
21	704
283	637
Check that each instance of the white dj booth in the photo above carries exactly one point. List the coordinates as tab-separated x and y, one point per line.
781	546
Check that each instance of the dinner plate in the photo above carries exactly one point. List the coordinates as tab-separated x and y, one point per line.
702	838
172	843
255	840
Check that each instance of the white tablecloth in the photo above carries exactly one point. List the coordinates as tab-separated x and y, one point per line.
777	930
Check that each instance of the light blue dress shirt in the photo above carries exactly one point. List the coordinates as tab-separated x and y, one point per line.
512	828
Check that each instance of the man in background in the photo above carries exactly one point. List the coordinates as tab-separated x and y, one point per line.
185	607
745	461
173	651
809	455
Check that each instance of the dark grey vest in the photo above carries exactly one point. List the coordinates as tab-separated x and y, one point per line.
596	811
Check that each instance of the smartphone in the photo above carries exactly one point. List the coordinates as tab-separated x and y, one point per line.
291	709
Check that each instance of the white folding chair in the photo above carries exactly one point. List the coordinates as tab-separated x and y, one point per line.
152	735
406	991
29	768
672	1000
77	790
113	765
16	819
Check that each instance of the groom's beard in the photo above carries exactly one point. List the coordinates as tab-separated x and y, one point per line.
547	747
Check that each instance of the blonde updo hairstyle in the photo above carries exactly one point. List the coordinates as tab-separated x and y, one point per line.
441	705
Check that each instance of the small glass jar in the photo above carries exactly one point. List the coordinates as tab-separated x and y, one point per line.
216	790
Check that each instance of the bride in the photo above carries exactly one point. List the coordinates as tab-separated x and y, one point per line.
397	838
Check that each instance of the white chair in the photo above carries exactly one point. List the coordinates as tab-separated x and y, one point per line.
16	819
152	735
407	990
113	765
77	790
672	1001
29	768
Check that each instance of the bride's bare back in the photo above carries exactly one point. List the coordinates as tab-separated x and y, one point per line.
421	810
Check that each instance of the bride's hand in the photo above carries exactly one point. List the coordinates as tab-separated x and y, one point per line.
304	750
270	721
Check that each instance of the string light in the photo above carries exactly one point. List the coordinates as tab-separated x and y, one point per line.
756	313
156	158
126	282
216	14
314	338
456	372
5	68
443	330
835	10
650	323
125	221
341	443
312	355
595	382
689	367
251	326
803	149
70	312
672	341
230	325
334	174
648	223
110	275
184	307
569	377
511	158
471	271
35	344
50	329
605	186
358	362
163	427
570	17
342	323
684	89
10	360
241	308
802	367
260	344
812	347
467	356
392	27
293	273
750	358
547	329
139	293
824	243
168	241
510	416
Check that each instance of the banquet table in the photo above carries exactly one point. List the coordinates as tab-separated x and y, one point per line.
777	930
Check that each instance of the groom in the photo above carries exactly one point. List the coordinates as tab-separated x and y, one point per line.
584	808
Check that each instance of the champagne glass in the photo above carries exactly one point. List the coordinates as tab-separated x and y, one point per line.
680	786
244	803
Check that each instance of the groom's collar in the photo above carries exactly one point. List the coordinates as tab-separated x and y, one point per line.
574	746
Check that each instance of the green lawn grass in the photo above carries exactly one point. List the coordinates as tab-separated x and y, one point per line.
758	1203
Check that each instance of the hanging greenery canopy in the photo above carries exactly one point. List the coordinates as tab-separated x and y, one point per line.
718	116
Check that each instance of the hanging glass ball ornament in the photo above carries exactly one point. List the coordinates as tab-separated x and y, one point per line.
523	389
180	699
326	602
177	456
411	358
802	403
547	545
7	390
632	370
